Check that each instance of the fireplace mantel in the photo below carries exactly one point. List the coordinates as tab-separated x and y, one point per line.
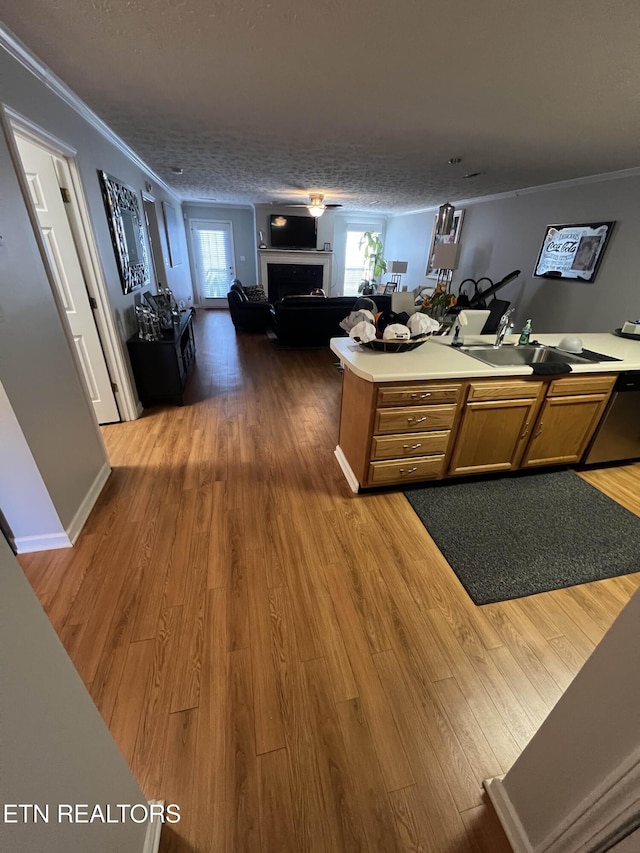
295	256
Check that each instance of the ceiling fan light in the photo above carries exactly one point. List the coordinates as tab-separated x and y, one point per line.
316	208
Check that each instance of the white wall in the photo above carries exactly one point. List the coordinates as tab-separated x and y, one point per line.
27	507
55	746
592	731
177	278
37	369
23	92
501	235
353	221
264	211
407	239
332	228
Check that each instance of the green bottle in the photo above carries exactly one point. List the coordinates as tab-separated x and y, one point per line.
525	334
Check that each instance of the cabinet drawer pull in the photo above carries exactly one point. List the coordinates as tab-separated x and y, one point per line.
539	430
411	446
407	470
416	420
421	396
525	431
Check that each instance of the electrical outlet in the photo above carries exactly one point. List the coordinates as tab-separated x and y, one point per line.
242	258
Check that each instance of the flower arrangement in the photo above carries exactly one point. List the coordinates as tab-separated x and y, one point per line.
438	303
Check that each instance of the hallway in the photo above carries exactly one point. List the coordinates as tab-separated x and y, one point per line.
295	666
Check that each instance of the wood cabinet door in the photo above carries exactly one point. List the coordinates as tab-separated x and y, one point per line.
563	429
492	435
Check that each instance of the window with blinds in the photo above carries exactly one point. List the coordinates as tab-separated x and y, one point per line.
213	247
355	267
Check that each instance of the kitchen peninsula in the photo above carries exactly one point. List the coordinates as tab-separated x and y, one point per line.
436	412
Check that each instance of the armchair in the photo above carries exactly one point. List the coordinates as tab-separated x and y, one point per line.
246	314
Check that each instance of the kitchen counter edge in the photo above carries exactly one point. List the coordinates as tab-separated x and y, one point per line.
437	359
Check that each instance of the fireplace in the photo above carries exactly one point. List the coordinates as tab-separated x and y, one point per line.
292	272
292	279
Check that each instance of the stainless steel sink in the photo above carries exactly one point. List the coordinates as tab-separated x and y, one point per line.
510	356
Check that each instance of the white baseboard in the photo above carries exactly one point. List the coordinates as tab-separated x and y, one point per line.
79	519
152	838
351	478
507	815
608	812
42	542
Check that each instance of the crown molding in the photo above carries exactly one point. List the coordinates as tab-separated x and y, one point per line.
208	202
540	188
21	53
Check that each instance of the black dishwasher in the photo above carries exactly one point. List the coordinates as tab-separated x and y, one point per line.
618	436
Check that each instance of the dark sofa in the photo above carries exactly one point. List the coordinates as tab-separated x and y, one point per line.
308	321
245	314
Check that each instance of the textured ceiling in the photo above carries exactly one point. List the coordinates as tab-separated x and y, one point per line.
364	100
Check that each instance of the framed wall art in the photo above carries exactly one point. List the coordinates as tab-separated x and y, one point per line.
171	226
127	234
452	237
573	251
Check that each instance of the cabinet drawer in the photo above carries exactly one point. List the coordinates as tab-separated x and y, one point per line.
412	444
414	419
401	471
415	395
505	389
595	383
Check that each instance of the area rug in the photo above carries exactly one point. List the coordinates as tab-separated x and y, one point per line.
515	536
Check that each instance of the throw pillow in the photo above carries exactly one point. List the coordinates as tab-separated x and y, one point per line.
255	293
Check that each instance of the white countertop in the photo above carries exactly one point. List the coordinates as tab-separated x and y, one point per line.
437	359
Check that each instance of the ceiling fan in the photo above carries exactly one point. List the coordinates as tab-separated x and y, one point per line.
315	206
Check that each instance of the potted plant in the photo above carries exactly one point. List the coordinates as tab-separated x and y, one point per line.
371	245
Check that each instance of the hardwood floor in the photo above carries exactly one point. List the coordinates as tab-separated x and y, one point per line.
295	666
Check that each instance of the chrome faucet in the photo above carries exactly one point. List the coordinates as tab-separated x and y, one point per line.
504	324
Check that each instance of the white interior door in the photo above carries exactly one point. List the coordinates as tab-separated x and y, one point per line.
44	186
214	259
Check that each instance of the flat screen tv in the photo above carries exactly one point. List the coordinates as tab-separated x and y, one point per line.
292	232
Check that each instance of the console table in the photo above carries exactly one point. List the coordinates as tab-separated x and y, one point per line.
161	368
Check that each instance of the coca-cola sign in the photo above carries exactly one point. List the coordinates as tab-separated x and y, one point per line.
573	251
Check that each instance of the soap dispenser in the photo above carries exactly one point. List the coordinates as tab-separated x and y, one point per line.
525	334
